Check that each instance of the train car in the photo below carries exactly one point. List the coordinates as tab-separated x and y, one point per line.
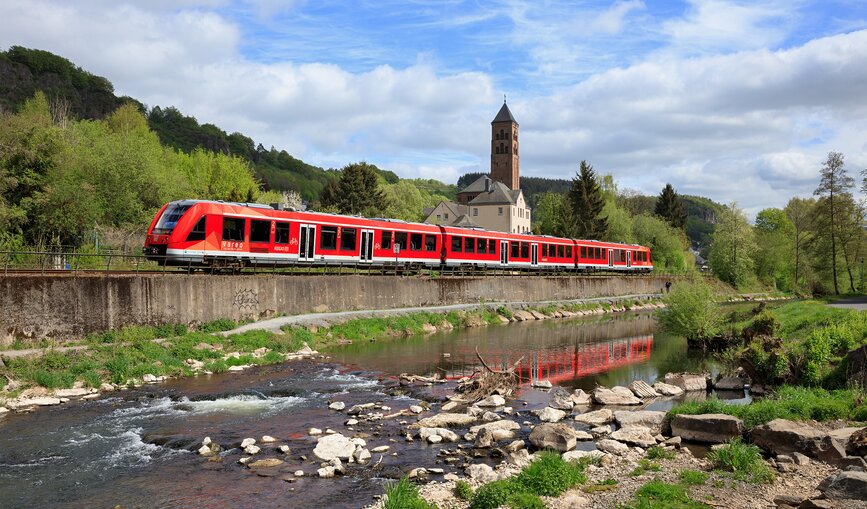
199	233
202	233
594	255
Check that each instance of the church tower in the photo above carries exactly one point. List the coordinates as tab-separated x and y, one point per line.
505	162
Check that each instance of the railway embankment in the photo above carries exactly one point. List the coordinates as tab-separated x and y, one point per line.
33	307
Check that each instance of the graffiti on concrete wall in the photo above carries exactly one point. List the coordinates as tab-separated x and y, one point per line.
246	300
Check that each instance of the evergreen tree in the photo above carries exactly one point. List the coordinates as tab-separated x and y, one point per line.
587	202
356	192
668	207
834	182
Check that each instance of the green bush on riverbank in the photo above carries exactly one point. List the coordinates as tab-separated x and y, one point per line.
795	403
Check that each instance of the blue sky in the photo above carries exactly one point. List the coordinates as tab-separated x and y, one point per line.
734	100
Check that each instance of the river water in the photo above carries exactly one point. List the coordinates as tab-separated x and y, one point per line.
133	448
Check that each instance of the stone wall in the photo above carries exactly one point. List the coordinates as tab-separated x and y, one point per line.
65	306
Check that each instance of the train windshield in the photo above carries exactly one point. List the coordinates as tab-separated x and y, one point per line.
170	218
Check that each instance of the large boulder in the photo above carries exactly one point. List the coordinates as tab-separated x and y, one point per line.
635	435
444	434
847	485
549	414
688	381
557	436
612	446
642	390
665	389
445	420
615	396
782	436
711	428
561	399
493	400
596	417
857	444
652	419
334	446
579	397
729	383
503	424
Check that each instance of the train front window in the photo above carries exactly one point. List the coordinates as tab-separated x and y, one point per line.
233	228
198	231
170	218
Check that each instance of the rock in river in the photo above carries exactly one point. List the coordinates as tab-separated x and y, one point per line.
445	420
615	396
711	428
557	436
334	446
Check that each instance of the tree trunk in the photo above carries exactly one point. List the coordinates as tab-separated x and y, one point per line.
833	244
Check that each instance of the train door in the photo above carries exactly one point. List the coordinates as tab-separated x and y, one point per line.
504	252
367	246
629	259
306	241
534	255
611	258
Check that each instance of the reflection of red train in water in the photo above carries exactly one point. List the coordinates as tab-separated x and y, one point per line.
572	361
197	233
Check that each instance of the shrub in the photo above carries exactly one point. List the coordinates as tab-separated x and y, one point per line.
817	353
550	475
404	495
693	477
220	325
691	311
494	494
463	490
743	460
526	501
506	312
766	323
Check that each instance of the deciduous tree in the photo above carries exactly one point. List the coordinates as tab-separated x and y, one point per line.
356	192
799	212
733	247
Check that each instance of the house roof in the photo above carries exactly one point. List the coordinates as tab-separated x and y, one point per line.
477	186
504	115
499	194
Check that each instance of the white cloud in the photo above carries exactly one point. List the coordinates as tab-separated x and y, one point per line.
611	20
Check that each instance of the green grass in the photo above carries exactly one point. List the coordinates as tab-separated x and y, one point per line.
549	476
661	495
794	403
404	495
744	461
658	453
644	466
463	490
693	477
606	485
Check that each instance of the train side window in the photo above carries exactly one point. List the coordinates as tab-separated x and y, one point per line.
492	246
281	233
198	231
347	239
569	252
544	250
430	243
516	248
482	246
233	228
470	245
525	250
457	244
386	240
583	252
328	237
415	242
598	253
400	239
260	231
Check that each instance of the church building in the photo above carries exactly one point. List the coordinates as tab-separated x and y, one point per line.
492	202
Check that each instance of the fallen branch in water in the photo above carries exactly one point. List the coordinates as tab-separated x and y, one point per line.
490	381
406	378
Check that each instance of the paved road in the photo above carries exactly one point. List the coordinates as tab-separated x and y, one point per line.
859	303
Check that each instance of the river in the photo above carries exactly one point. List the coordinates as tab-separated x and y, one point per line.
133	448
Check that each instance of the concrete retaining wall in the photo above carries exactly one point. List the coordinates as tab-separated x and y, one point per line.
64	306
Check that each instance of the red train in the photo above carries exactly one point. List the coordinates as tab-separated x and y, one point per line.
199	233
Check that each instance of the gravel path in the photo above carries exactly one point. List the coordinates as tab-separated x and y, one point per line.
857	303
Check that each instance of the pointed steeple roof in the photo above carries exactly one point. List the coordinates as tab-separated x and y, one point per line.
504	115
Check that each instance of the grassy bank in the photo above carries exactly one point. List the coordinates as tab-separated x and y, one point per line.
795	403
126	355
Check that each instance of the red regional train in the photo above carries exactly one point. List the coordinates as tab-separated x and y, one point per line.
224	235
